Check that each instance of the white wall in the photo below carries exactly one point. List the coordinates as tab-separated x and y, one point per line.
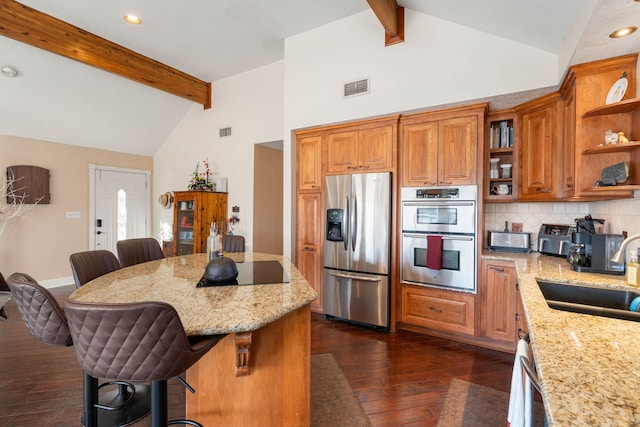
439	63
251	104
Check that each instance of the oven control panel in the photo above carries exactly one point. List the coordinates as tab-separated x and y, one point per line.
463	192
437	193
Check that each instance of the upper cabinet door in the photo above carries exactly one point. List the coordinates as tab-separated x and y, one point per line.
309	160
540	150
458	147
342	151
419	154
376	148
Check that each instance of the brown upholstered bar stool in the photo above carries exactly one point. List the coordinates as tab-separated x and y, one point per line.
46	320
233	243
136	342
138	250
89	265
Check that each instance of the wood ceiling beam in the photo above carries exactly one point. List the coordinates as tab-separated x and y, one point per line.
30	26
391	16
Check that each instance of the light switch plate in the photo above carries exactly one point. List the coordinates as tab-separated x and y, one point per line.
72	215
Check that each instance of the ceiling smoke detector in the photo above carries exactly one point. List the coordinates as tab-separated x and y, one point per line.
9	71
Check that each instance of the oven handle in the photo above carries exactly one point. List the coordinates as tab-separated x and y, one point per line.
442	203
444	237
350	276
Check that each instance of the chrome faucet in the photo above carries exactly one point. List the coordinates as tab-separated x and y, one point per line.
619	255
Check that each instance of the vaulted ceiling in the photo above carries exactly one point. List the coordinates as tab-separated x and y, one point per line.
61	100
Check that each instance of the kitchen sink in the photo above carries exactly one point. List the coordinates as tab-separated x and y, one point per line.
598	301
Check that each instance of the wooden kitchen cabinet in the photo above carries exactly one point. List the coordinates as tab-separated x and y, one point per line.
568	181
441	148
370	147
540	159
437	309
193	213
309	162
310	235
587	118
499	299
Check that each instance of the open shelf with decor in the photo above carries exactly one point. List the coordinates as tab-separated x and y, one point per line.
618	116
500	183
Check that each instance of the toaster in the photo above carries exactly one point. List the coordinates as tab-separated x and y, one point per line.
509	241
555	239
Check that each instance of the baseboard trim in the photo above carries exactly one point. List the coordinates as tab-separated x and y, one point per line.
56	283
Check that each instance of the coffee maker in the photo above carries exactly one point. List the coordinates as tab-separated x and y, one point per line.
592	253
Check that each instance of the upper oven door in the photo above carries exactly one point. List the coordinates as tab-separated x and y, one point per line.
444	216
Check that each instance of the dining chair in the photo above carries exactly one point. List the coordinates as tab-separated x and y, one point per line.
89	265
138	250
46	321
142	341
233	243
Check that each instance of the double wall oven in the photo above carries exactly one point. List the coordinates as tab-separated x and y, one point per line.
439	232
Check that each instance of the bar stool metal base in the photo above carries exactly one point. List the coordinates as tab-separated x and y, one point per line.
129	406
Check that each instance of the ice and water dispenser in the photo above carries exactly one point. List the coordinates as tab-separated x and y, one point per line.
335	225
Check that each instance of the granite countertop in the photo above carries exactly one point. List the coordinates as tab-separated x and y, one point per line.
207	310
588	366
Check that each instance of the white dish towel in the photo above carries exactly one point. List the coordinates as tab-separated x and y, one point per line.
520	404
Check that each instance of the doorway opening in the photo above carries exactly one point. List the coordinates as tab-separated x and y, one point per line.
268	197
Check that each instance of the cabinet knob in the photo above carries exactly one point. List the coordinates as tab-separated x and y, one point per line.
437	310
364	167
445	182
543	190
498	269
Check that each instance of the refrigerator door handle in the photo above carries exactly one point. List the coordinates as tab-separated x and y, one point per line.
354	223
345	224
354	277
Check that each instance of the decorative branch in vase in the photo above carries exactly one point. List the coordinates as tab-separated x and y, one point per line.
12	202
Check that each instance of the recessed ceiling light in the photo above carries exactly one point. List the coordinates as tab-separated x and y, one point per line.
132	19
9	71
622	32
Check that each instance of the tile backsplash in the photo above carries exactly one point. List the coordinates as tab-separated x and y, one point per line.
619	215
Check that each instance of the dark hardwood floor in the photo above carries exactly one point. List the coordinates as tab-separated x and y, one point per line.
400	379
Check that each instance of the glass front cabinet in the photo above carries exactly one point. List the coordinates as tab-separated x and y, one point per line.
193	213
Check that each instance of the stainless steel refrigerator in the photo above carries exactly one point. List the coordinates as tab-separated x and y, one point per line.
357	248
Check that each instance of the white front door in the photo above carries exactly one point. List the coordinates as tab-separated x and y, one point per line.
120	206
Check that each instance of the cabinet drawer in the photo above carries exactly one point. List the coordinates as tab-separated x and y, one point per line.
438	309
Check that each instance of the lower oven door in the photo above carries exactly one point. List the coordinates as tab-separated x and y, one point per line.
458	269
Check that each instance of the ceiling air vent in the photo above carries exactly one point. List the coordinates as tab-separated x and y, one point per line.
225	132
356	88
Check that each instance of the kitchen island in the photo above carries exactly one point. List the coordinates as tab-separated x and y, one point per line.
588	366
259	374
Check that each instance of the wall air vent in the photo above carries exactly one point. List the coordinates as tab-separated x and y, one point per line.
358	87
225	132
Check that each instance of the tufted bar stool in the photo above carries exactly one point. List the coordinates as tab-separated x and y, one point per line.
233	243
138	250
86	266
45	319
89	265
136	342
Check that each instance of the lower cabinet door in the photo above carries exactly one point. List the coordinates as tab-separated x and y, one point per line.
499	296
